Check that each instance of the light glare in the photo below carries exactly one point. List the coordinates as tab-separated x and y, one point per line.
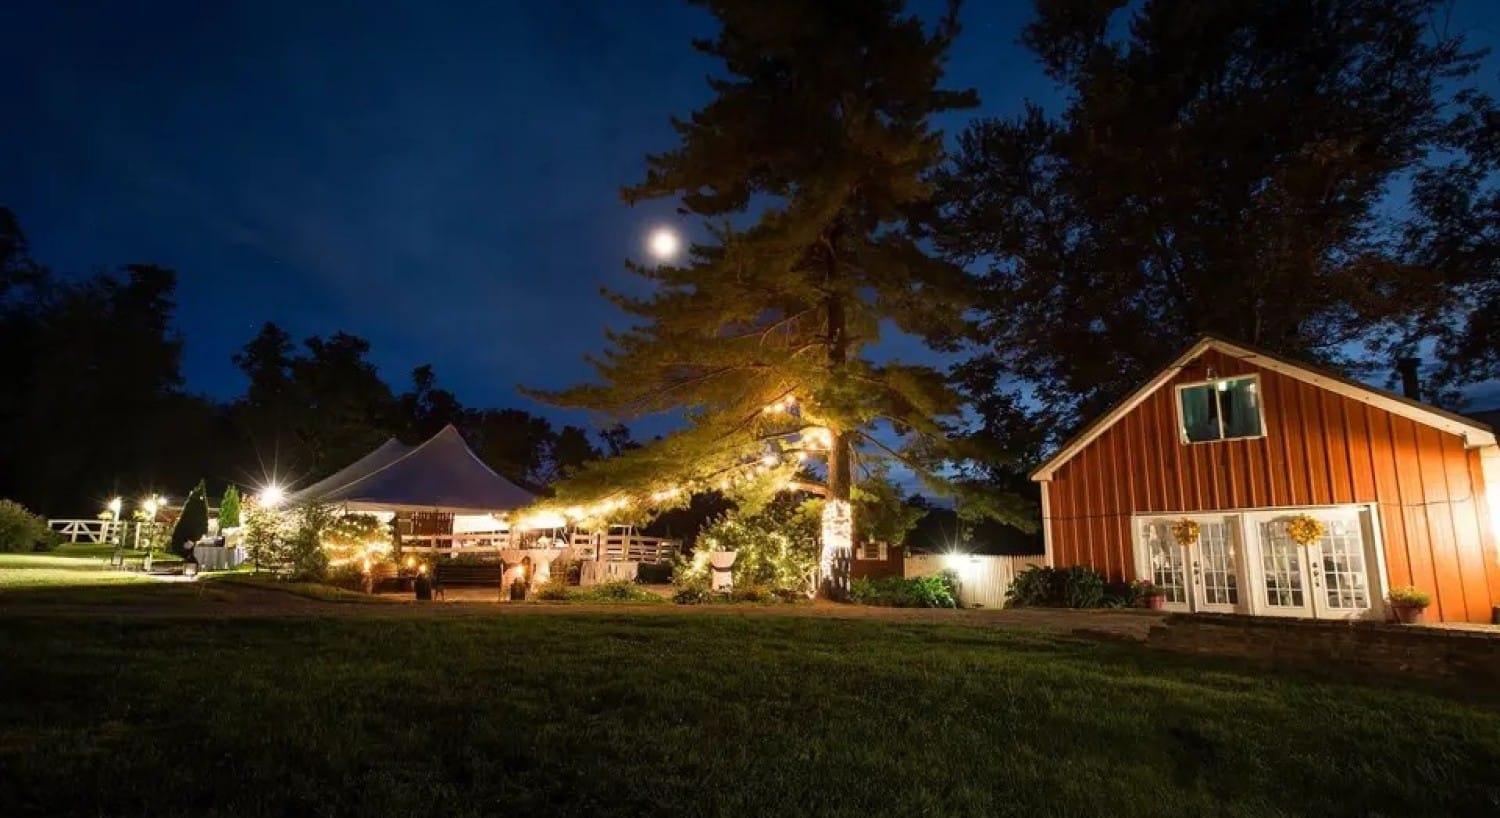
664	243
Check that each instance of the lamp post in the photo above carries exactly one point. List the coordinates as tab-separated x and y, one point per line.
150	506
115	534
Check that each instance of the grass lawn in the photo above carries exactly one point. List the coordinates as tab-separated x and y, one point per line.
311	590
698	714
76	577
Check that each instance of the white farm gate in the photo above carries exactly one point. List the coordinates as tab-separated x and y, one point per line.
982	578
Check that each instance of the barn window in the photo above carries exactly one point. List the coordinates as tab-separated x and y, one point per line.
1223	409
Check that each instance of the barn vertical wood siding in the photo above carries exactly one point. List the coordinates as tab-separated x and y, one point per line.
1320	449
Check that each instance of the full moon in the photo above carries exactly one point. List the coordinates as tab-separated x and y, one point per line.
664	243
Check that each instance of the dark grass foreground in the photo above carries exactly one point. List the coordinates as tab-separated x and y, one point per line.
704	715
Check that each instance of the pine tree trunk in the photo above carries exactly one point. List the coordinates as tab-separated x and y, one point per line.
838	514
838	523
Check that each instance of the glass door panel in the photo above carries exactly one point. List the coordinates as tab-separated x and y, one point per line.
1284	587
1343	570
1216	561
1166	566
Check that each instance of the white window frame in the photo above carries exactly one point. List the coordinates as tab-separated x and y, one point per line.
1260	409
864	551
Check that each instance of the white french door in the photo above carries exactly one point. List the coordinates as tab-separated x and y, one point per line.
1203	576
1245	562
1333	578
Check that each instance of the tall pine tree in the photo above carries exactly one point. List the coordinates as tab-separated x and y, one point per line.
805	170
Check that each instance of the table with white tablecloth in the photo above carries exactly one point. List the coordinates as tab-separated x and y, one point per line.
218	557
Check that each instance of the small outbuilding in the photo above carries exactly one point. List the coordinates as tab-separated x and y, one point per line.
1241	448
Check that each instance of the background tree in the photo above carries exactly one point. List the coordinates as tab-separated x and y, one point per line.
819	140
1454	239
193	523
1218	167
308	413
229	508
93	404
426	409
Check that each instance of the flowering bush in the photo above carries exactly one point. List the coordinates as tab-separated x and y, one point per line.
1144	589
1410	595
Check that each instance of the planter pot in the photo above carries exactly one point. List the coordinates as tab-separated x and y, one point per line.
1408	614
423	588
517	590
1156	603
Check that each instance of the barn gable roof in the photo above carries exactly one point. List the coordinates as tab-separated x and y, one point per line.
1474	433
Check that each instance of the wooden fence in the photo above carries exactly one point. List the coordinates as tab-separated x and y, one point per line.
96	531
982	579
604	547
626	547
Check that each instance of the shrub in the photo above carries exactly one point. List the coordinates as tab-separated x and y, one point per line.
903	592
690	593
777	548
1082	587
265	536
621	590
554	589
1077	586
229	508
193	523
305	552
750	593
348	575
22	531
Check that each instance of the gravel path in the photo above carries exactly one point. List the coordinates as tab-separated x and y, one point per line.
223	599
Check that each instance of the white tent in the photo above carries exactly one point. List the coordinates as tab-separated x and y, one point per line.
388	453
443	474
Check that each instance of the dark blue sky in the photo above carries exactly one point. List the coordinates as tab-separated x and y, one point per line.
440	179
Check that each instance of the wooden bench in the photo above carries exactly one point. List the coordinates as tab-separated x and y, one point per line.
453	576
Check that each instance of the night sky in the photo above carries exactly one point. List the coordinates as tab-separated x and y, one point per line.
441	181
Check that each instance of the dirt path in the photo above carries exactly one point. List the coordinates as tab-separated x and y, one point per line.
220	600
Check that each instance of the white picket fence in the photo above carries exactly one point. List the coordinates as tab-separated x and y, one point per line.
982	578
96	531
625	547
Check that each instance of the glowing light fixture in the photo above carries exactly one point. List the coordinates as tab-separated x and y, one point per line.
114	506
272	496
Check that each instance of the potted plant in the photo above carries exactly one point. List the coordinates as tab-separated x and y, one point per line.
1150	594
1408	602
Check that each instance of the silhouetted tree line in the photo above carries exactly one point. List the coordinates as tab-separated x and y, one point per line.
1316	177
94	403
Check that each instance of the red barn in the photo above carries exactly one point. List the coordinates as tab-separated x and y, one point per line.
1241	441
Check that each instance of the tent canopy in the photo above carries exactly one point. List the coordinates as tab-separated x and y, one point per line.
442	474
388	453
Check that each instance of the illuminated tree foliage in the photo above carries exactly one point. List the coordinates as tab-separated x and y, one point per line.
805	171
